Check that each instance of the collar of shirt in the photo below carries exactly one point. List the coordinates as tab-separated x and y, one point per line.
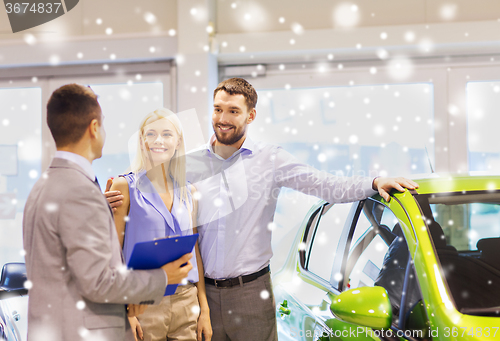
248	144
79	160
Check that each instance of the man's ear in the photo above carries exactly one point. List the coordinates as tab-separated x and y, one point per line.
94	128
251	116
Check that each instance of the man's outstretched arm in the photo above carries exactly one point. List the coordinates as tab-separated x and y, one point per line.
291	173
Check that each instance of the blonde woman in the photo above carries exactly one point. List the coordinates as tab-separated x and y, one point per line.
157	203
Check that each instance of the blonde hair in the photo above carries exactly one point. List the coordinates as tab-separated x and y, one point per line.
177	165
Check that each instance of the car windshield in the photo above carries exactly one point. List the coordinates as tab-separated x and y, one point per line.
465	230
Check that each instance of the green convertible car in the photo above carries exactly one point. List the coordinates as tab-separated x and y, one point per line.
424	266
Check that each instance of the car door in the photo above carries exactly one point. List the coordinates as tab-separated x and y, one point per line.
309	290
357	228
306	277
377	255
342	247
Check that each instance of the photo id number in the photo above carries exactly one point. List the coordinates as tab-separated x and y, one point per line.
23	7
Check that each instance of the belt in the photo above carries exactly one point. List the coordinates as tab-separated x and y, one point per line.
231	282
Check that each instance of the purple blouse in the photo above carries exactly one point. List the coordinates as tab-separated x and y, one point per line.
149	218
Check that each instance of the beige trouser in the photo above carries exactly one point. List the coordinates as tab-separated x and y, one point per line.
175	318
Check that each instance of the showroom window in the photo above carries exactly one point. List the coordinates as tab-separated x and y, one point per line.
20	162
474	96
20	167
124	106
362	130
125	100
349	121
483	101
26	146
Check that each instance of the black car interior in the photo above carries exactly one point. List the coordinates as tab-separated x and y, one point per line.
470	275
397	275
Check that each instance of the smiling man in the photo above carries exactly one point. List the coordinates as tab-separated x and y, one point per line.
236	209
233	112
238	181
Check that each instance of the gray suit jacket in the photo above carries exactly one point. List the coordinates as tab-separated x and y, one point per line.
74	261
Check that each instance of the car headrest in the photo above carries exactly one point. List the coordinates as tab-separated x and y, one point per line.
489	247
435	229
437	235
397	230
386	233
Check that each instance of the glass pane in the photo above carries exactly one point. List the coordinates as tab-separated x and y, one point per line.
20	152
370	244
380	256
466	224
20	168
483	101
366	255
124	106
465	230
356	129
326	240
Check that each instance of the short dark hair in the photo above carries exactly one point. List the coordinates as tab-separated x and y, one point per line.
239	86
70	110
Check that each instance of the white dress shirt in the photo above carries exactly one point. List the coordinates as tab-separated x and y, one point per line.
238	198
79	160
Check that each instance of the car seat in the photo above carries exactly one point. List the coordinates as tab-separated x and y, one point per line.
490	251
469	279
392	274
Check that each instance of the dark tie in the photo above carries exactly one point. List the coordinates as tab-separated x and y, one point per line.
96	182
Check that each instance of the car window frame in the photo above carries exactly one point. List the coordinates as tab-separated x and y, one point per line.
347	246
308	238
404	310
342	253
424	198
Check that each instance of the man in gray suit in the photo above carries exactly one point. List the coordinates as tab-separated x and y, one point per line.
77	280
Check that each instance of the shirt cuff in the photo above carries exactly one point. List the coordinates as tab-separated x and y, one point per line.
368	187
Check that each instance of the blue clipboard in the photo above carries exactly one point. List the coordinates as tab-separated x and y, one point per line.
155	253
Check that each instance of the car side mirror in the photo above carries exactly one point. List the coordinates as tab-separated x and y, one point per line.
12	280
365	306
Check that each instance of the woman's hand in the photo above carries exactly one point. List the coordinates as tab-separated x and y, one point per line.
204	326
136	328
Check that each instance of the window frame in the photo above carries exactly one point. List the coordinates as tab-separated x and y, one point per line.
50	78
299	77
457	92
